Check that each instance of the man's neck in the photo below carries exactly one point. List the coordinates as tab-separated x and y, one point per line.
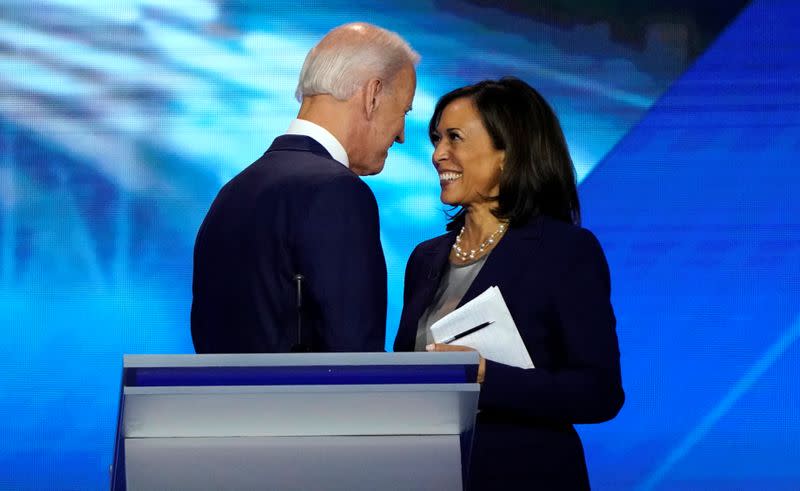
329	113
322	136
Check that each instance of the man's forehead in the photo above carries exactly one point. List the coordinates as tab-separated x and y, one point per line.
407	74
409	81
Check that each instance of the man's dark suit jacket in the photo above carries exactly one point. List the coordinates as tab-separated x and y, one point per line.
294	210
555	280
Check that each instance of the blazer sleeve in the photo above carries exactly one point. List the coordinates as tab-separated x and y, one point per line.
588	387
340	255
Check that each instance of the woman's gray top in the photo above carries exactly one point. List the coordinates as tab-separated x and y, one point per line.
455	282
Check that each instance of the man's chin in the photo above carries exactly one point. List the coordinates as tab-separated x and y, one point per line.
373	167
376	168
371	171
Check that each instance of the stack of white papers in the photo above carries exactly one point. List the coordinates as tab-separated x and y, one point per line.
500	341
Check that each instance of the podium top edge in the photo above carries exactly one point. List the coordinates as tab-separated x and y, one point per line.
300	359
212	390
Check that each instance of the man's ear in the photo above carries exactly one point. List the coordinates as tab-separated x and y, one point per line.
373	92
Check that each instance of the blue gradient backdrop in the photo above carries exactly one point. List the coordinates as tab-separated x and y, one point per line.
119	121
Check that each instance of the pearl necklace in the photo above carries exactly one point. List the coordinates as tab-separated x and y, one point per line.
473	253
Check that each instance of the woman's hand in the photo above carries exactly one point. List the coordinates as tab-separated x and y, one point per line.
458	347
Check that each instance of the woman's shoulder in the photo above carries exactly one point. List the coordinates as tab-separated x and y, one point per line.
569	247
565	229
567	237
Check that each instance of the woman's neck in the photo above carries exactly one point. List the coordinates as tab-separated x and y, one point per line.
482	230
479	223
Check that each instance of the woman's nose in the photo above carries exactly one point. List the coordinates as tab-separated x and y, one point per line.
440	153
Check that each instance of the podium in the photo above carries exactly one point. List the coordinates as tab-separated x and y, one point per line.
300	421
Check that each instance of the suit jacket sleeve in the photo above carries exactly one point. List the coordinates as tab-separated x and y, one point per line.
340	255
588	388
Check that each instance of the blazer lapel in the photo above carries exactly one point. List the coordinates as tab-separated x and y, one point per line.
428	275
434	263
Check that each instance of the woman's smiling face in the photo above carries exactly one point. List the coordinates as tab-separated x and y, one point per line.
468	164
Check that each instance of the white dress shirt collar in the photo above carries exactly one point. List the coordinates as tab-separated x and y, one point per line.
322	136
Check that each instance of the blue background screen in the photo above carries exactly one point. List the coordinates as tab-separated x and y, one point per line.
120	121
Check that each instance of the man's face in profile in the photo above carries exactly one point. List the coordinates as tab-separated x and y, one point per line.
388	125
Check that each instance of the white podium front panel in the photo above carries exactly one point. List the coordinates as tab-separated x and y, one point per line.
368	463
443	409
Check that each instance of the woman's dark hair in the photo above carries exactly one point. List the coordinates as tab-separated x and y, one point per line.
538	177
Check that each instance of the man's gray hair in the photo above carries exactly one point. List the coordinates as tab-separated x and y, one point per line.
350	55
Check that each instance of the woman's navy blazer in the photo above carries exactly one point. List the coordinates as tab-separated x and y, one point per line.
555	280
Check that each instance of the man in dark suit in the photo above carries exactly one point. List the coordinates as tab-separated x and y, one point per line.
301	213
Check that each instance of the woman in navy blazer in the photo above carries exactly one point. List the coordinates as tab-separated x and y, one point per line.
502	158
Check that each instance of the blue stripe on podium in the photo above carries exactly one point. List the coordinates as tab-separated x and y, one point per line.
301	375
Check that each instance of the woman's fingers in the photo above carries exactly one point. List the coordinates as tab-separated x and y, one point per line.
447	347
457	347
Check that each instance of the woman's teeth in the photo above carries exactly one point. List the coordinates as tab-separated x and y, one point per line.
449	176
